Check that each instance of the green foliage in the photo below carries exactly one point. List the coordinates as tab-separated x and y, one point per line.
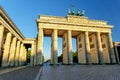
75	57
60	58
28	54
43	59
49	60
74	54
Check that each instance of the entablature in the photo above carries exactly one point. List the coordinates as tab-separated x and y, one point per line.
7	23
72	20
74	27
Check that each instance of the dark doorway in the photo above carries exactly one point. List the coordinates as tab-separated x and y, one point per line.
28	54
1	55
118	50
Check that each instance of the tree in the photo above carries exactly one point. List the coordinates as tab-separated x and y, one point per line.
28	56
74	55
60	58
43	59
75	58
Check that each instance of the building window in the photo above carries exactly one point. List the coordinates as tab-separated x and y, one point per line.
80	45
90	39
79	39
92	46
103	46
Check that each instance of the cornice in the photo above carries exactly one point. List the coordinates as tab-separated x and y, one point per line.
73	20
5	16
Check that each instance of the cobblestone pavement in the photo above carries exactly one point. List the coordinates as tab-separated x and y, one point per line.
28	73
81	72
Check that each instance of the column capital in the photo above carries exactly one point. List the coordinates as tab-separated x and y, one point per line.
40	28
86	33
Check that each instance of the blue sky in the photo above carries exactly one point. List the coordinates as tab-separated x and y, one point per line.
25	12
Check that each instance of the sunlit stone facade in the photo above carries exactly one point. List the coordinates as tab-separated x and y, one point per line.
13	45
93	38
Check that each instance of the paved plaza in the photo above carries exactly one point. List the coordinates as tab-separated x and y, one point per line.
26	73
64	72
81	72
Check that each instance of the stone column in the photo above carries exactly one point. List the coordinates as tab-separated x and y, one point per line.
20	55
64	48
115	45
69	45
35	57
1	38
54	52
24	55
87	44
40	46
12	52
17	53
105	47
111	49
81	49
6	50
100	50
93	48
33	54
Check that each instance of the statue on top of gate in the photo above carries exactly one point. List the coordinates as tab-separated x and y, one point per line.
73	12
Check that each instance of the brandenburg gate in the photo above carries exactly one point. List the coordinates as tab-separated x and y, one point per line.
93	38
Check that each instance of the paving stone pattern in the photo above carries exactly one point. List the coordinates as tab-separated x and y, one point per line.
81	72
28	73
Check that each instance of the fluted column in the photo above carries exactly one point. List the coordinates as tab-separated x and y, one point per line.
24	55
35	57
105	47
93	48
81	49
64	48
54	59
32	55
87	44
40	46
6	50
116	52
111	49
17	53
69	45
100	50
12	52
1	38
20	55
